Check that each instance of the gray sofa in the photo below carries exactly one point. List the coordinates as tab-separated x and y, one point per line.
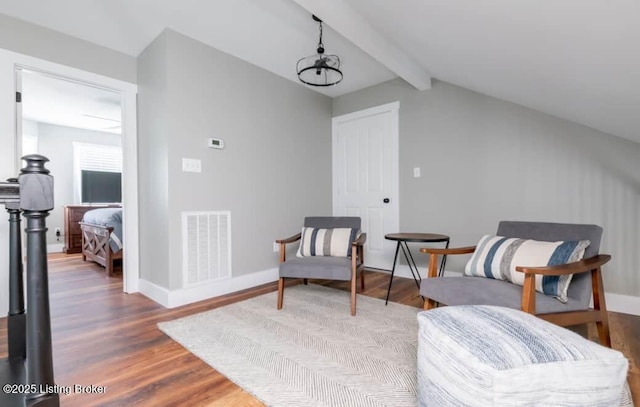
587	279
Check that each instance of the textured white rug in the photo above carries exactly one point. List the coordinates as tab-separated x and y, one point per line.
312	352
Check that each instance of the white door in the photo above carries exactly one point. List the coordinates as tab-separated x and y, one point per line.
365	176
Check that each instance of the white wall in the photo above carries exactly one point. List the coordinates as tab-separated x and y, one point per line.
484	160
29	138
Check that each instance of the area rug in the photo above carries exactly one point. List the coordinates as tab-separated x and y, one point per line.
312	352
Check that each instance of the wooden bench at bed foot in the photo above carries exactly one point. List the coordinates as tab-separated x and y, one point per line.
95	246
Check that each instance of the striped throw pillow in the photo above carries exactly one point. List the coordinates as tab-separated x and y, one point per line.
327	242
497	257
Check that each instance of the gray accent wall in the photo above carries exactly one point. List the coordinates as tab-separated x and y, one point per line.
484	160
153	157
275	168
31	39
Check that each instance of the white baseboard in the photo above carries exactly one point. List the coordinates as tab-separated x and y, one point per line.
55	248
154	292
183	296
170	299
625	304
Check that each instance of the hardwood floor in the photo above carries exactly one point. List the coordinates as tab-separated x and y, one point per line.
103	337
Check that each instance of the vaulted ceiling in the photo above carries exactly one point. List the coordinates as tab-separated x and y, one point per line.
575	59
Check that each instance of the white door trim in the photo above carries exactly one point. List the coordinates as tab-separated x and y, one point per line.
9	61
393	108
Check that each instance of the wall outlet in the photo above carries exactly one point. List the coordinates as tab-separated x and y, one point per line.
276	247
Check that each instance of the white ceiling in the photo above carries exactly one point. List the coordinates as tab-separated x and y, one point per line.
575	59
48	99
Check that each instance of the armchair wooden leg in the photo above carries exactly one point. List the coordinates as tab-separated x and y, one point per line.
603	331
600	305
353	295
280	291
528	304
361	255
429	304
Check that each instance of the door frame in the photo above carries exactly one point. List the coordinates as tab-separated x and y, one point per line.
392	108
10	61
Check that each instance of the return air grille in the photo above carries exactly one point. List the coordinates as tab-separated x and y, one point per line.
206	250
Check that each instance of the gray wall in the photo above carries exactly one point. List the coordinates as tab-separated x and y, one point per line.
30	39
56	143
485	160
276	165
153	156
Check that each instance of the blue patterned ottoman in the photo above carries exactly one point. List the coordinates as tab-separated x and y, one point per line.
495	356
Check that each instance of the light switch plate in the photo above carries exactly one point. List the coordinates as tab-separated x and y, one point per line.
416	172
191	165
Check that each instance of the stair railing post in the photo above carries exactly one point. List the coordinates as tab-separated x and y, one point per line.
36	200
16	320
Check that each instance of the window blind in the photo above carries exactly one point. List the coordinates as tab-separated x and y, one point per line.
97	157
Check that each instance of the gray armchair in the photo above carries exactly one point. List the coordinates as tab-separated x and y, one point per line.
324	267
586	280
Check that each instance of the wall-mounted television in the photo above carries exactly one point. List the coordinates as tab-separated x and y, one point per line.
101	187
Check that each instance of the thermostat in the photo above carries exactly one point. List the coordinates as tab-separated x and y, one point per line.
216	143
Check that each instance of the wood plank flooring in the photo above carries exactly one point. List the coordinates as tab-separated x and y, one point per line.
103	337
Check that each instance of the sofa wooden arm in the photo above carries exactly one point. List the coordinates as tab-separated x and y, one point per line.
360	240
592	264
581	266
358	247
283	245
454	250
434	252
290	239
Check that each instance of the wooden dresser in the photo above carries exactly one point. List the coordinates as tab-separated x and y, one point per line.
72	234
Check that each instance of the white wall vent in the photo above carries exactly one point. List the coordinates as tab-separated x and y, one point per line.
206	246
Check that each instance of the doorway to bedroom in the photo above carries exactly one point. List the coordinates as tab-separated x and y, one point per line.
78	127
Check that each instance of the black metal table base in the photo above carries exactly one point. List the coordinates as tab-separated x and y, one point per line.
412	265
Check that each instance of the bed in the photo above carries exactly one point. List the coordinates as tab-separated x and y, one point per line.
102	237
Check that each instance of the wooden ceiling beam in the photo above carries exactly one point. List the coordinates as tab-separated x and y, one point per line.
341	17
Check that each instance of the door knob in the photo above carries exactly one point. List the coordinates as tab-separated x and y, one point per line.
386	200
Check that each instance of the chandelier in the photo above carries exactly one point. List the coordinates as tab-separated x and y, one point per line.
319	69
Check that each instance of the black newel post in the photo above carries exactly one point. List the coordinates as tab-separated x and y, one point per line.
36	200
16	318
